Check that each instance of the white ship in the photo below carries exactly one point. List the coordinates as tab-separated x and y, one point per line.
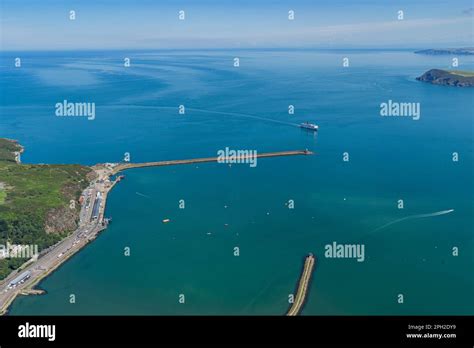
310	126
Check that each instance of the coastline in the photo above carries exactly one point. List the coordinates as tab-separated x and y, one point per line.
33	285
454	78
34	288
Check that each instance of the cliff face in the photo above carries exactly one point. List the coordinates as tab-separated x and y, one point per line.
447	78
61	219
9	150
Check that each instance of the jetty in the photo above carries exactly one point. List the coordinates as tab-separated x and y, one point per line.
303	286
32	292
123	166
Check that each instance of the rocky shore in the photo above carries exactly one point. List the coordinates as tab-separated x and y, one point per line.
448	78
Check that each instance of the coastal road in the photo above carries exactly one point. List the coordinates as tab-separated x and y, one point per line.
47	263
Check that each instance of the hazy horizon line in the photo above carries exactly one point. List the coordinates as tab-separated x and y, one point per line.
361	48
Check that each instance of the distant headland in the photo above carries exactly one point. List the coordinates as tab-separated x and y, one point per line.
455	78
448	51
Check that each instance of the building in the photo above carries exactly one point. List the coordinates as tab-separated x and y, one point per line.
96	207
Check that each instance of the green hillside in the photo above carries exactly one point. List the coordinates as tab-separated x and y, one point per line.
34	202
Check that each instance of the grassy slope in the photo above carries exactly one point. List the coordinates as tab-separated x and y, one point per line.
3	195
29	193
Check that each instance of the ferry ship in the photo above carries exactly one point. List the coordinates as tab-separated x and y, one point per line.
310	126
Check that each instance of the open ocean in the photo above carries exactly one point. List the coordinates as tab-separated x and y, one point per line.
391	158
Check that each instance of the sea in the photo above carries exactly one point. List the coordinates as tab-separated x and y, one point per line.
238	235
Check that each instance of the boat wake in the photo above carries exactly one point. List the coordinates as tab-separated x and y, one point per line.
209	112
141	194
245	115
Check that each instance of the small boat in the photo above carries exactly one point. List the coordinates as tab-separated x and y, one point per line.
310	126
165	221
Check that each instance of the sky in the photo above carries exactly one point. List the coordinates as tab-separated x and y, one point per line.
154	24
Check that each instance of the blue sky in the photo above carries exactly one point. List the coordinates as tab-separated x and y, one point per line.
120	24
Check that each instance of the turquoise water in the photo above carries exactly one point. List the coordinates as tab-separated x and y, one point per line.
390	159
